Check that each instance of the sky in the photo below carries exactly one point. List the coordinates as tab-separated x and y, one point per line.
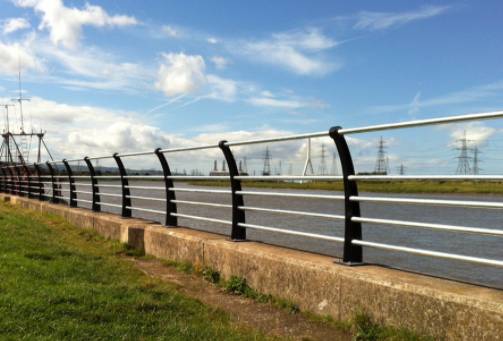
107	76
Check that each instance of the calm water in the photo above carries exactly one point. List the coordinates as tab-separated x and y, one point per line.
466	244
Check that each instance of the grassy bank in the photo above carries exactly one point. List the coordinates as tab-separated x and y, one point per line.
59	282
427	186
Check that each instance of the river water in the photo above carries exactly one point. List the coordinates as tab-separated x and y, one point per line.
451	242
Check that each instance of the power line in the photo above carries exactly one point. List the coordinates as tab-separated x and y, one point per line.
267	162
381	166
463	167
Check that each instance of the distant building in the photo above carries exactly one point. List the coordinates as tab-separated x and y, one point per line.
216	172
224	171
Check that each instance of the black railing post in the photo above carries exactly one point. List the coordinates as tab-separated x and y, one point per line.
238	233
170	195
4	180
71	184
40	186
28	177
126	200
54	185
352	230
18	181
11	180
94	183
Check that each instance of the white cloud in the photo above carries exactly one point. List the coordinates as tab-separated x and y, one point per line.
93	68
79	130
471	95
267	99
223	89
14	55
374	21
296	51
181	74
275	103
170	31
14	24
212	40
220	62
65	23
476	134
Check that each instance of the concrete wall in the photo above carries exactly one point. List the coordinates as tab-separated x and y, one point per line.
440	308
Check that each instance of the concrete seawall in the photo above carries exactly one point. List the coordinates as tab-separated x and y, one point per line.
441	308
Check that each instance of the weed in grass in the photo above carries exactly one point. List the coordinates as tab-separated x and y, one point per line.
237	286
211	275
365	329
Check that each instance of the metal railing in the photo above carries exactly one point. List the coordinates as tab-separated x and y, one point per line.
45	182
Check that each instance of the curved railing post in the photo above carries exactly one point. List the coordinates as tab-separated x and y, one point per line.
28	179
94	183
40	186
238	233
71	184
352	230
126	200
53	184
170	195
4	180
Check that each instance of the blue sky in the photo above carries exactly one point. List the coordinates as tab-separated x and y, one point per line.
102	73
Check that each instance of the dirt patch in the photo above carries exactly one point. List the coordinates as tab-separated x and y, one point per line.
262	316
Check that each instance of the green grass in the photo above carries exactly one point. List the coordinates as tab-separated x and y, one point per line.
59	282
424	186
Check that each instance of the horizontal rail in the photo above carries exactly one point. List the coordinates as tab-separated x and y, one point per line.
302	213
84	200
144	198
418	123
160	177
83	192
293	195
423	252
201	203
145	210
425	177
197	190
108	204
199	177
110	195
436	202
79	183
289	177
186	149
109	186
453	228
292	232
278	139
195	217
157	188
150	152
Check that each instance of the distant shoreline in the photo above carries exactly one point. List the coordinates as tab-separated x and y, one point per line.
420	186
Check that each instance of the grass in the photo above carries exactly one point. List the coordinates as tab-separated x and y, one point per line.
423	186
59	282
